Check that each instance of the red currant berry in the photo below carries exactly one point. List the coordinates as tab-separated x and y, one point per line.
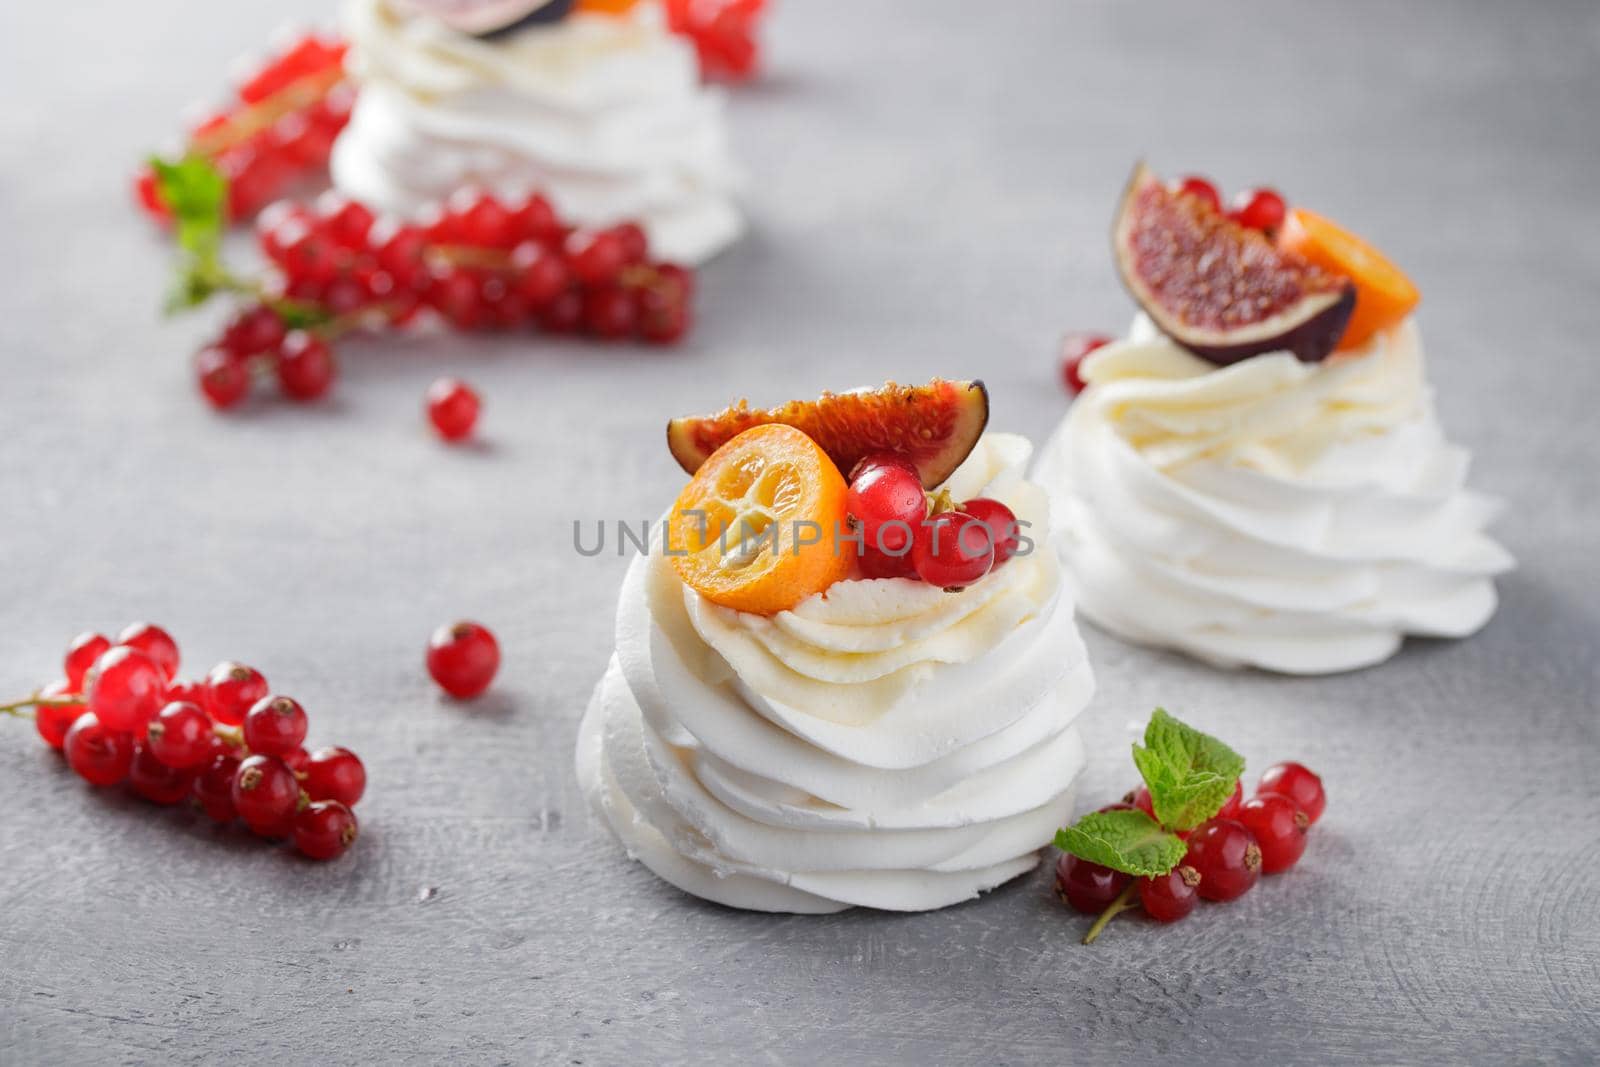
635	245
876	564
298	760
81	654
154	642
148	191
181	735
1004	532
213	788
1227	857
886	501
541	273
1140	798
1259	209
463	659
1075	347
1088	887
597	258
1202	188
224	379
253	331
536	219
1279	828
98	754
344	295
485	223
458	296
155	780
563	314
1297	783
952	550
401	252
54	720
452	408
675	280
232	689
663	320
1169	897
1230	810
185	689
335	774
325	829
266	795
1121	805
125	689
308	254
346	222
610	312
275	726
305	366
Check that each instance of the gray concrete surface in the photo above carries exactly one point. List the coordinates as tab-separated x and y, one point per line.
932	187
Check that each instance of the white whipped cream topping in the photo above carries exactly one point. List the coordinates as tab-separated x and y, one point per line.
604	115
884	744
1302	518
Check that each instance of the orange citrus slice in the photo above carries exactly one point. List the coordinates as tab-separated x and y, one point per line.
755	529
1384	295
607	7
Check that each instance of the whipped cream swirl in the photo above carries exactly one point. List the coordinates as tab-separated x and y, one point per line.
884	744
1297	517
605	115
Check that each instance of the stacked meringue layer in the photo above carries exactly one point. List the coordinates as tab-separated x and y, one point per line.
1301	518
884	744
605	115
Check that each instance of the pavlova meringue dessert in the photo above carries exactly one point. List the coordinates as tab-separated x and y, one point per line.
1256	475
805	727
600	109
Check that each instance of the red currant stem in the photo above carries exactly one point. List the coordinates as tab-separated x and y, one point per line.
232	736
1125	902
298	94
19	708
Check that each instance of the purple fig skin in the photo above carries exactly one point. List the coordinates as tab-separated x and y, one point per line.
1311	341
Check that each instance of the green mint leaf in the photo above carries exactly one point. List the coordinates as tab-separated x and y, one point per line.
1127	841
197	194
1190	775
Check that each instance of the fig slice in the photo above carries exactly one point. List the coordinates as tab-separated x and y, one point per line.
1221	290
935	426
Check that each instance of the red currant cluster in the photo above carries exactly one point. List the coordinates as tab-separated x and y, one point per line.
723	33
477	264
120	714
1265	834
280	126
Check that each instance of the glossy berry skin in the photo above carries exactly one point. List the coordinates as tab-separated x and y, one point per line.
599	258
154	642
452	408
1230	810
1299	784
97	754
886	501
252	332
81	654
1074	348
157	782
1227	857
1001	522
1171	896
266	795
213	787
223	378
125	689
1088	887
1259	209
610	313
1202	188
232	689
325	829
305	366
275	726
463	659
335	774
54	720
1279	828
951	550
186	689
875	564
181	735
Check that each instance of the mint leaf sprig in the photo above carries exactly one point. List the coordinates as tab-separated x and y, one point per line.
1190	775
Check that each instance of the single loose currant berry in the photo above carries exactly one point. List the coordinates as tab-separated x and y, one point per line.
232	689
1074	348
335	774
452	408
886	501
1201	188
1004	532
463	659
1088	887
1227	857
253	331
305	366
96	753
275	726
1169	897
213	787
952	550
223	378
154	642
1279	828
81	654
1259	209
156	781
598	258
325	829
266	795
181	735
1299	784
54	720
125	689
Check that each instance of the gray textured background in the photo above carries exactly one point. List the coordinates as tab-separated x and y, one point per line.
929	196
